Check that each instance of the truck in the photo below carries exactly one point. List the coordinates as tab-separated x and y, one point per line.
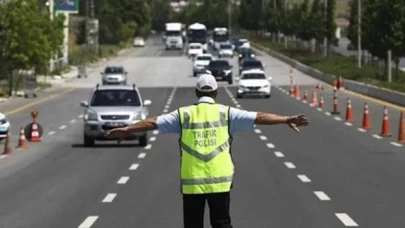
220	35
173	36
197	33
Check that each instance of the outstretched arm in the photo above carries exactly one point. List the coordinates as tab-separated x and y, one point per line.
143	125
294	122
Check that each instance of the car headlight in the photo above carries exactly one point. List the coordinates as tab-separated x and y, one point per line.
138	116
90	115
227	71
240	56
3	121
252	55
265	86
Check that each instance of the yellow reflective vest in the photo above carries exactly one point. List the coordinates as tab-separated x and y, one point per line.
206	163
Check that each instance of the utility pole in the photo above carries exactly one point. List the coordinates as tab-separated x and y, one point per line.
359	35
230	16
325	39
51	5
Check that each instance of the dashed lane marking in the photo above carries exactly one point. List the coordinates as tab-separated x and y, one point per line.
319	109
304	178
279	154
148	147
72	121
153	138
88	222
377	136
3	156
80	116
262	137
396	144
165	111
338	118
289	165
238	106
109	197
346	220
270	145
142	155
167	106
258	131
123	180
155	132
51	133
134	166
327	113
361	129
348	124
322	196
62	127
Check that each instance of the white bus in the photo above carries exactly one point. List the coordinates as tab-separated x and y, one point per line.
173	36
197	33
220	35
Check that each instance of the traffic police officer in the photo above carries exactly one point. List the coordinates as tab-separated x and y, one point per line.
206	131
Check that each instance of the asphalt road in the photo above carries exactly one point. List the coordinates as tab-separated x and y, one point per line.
330	175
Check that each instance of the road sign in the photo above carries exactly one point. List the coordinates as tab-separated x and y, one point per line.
68	6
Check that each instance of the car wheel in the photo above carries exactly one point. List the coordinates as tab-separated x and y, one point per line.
238	96
194	74
230	81
143	140
267	96
88	141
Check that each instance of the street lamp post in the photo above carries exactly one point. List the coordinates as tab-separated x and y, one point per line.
325	39
359	34
230	16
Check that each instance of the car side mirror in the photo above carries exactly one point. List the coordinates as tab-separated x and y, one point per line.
208	72
84	104
147	102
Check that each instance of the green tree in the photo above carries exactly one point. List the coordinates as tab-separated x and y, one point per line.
316	21
160	12
250	14
304	30
352	30
330	22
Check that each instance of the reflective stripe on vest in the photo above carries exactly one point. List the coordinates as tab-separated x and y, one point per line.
206	164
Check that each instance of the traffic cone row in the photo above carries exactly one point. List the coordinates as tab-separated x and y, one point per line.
305	97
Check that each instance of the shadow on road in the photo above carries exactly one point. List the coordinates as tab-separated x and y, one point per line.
79	145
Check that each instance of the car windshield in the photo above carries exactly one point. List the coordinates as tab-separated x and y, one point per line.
253	76
114	70
246	51
218	63
225	46
138	39
252	64
204	58
195	47
115	98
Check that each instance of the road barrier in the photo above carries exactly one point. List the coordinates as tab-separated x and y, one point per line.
391	96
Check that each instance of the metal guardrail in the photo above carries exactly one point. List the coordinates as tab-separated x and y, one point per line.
391	96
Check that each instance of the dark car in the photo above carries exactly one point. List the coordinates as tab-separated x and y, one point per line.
245	52
221	70
250	64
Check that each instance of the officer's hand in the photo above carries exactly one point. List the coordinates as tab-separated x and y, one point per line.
297	121
119	133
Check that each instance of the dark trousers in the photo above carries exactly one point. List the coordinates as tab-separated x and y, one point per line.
218	204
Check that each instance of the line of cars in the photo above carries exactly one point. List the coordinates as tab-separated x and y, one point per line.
113	104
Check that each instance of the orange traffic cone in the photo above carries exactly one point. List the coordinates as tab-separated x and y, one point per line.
349	111
314	101
401	131
385	131
297	92
366	118
35	133
291	89
321	102
341	83
305	98
22	142
7	146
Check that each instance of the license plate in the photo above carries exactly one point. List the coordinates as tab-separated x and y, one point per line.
115	124
2	128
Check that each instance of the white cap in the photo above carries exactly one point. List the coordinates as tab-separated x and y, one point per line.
207	80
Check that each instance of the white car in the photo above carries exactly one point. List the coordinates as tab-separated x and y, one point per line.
4	126
254	82
225	50
244	43
139	42
201	62
194	49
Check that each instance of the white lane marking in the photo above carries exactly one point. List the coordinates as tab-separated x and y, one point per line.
123	180
304	178
142	155
327	113
72	121
153	138
80	116
134	166
258	131
62	127
319	109
322	196
3	156
147	147
338	118
361	129
51	133
348	124
109	197
165	110
238	106
304	101
88	222
346	220
270	145
155	132
262	137
377	136
289	165
396	144
279	154
167	106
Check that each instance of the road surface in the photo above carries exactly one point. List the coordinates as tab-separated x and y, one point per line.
330	175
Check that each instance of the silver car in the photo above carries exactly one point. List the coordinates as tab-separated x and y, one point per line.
111	107
114	75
